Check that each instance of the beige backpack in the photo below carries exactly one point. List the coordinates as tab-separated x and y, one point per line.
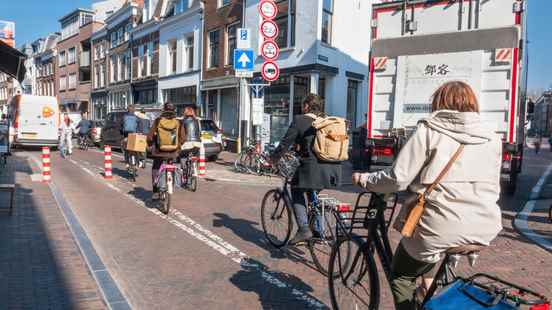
331	142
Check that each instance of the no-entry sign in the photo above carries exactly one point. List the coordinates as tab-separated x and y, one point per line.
269	29
268	9
270	71
270	50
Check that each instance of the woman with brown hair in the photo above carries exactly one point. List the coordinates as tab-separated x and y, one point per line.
462	209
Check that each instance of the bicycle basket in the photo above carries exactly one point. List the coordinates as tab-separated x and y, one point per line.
288	164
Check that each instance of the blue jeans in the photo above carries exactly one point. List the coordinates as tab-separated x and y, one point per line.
300	207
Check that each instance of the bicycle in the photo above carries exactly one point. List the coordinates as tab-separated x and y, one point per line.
165	183
355	281
132	165
324	219
252	160
189	172
84	142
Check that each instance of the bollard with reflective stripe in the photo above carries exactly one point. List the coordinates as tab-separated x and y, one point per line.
201	167
46	168
108	163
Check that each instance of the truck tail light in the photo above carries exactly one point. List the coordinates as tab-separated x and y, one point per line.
506	157
343	207
383	151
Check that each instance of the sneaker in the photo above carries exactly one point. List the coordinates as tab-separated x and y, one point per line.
302	236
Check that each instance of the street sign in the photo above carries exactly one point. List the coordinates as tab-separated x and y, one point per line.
257	111
270	71
270	50
244	38
269	29
268	9
243	74
243	59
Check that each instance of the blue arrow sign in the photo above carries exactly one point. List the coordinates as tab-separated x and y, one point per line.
244	59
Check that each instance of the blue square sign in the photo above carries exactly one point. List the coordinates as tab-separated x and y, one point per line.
244	59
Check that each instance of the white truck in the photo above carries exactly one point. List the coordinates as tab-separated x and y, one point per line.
34	120
418	45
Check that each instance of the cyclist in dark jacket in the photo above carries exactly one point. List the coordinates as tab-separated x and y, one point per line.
313	174
128	126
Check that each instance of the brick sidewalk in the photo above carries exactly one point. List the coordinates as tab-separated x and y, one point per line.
41	266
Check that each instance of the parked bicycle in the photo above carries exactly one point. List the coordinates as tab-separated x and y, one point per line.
165	182
253	160
324	219
189	172
355	281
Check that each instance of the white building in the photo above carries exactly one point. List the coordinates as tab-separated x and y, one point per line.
325	47
181	53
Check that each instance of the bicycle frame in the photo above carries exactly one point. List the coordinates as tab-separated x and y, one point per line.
170	169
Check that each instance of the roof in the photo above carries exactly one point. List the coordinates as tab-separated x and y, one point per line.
12	61
75	12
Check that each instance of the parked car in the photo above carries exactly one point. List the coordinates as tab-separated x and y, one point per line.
211	137
96	132
111	131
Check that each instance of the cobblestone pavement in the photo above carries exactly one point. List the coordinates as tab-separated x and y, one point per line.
40	264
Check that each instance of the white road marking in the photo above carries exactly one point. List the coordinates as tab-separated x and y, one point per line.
520	222
210	239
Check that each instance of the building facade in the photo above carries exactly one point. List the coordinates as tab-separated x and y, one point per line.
73	76
318	55
541	124
181	53
98	95
119	28
6	92
219	86
46	65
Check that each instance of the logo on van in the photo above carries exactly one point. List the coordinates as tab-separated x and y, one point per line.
47	112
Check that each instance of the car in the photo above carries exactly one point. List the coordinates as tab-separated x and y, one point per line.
211	137
96	132
111	131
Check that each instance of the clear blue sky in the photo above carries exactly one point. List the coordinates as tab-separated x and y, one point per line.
35	18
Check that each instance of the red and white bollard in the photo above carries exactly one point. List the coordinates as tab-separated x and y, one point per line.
108	163
201	161
46	168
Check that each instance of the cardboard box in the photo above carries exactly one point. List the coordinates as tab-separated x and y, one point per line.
137	143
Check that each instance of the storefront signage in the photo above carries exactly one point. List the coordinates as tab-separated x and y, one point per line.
270	71
268	9
270	50
269	30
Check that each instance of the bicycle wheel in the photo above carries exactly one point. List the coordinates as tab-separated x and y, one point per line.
238	164
165	200
193	183
320	247
276	218
132	170
356	282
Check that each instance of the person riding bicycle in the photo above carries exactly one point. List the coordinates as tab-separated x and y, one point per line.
462	209
166	137
192	132
314	174
84	127
128	126
66	136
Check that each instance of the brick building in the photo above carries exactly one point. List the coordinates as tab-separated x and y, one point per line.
46	64
73	52
219	86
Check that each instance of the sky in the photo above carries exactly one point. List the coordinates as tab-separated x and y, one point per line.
35	18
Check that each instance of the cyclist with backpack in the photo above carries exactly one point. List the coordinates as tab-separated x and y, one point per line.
192	130
320	168
166	137
128	126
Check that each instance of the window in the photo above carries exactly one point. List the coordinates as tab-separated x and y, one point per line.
72	81
143	59
61	58
189	52
180	6
327	15
62	83
213	49
352	102
128	29
69	27
150	58
172	56
282	23
102	75
222	3
71	56
120	35
128	65
114	39
121	67
231	43
113	67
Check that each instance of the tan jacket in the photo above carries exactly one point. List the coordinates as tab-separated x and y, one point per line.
463	207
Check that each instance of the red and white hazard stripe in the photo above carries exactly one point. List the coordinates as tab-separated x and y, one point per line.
201	167
108	163
380	63
503	54
46	168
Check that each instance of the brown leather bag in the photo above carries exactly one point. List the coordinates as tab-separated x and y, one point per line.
412	211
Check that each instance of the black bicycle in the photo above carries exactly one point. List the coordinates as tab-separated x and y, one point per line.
84	142
189	171
355	281
324	220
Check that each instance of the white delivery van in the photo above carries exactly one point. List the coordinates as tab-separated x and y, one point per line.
34	120
418	45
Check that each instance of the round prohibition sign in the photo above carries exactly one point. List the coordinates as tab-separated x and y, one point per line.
268	9
270	50
270	71
269	29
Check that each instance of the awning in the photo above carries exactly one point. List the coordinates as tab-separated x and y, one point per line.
12	61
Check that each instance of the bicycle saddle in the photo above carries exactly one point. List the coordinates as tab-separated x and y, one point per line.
466	249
